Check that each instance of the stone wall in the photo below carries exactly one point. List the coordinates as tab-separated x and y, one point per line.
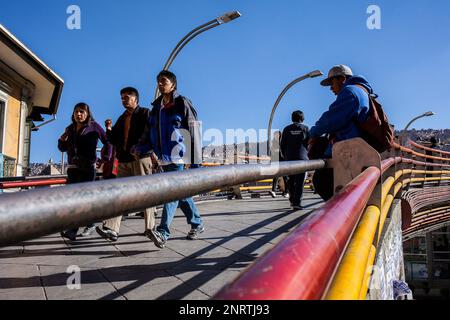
389	263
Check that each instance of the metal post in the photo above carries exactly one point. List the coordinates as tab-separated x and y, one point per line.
32	214
227	17
312	74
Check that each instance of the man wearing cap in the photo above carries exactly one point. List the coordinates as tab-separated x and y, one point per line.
351	106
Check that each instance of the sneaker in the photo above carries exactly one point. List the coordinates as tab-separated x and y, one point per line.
286	195
87	231
107	234
273	194
157	238
193	234
69	234
297	207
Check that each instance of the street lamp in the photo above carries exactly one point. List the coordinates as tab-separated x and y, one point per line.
227	17
426	114
312	74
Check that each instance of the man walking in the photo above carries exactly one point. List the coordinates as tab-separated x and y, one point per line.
294	143
125	134
173	134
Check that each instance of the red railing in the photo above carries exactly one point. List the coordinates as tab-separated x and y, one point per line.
32	183
303	265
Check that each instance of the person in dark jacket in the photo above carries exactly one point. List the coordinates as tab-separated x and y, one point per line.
294	144
123	135
109	168
173	134
80	140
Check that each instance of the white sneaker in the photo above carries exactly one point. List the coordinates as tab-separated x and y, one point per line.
273	194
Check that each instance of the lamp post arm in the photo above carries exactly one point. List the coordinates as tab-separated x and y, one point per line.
191	35
409	124
176	49
312	74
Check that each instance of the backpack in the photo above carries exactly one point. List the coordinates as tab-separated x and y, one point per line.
376	130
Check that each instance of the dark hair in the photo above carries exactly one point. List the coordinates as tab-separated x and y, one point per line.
130	90
85	107
298	116
169	75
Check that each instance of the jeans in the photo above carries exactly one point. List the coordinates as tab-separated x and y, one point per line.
186	205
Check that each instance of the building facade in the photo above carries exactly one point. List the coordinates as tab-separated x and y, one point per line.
427	264
29	89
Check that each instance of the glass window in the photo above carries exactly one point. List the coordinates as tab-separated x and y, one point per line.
441	241
416	245
419	270
441	271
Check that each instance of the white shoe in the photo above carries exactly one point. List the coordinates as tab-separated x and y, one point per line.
273	194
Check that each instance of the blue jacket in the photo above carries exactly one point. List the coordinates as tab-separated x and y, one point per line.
168	131
352	104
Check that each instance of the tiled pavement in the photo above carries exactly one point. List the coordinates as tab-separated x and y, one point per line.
238	231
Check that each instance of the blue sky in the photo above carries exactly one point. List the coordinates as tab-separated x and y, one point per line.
234	73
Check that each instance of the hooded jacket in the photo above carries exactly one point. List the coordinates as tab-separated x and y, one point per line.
352	104
172	133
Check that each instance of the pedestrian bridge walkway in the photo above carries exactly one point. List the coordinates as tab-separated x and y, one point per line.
238	231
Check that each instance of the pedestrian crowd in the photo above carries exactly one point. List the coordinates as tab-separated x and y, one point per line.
166	138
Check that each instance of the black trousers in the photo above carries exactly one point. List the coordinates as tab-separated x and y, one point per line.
75	175
296	183
323	181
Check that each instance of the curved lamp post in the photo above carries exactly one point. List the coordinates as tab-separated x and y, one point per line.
426	114
312	74
227	17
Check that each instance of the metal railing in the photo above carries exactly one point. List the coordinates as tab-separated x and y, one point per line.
32	214
326	257
329	256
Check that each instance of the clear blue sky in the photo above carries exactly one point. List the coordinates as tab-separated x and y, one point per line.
234	73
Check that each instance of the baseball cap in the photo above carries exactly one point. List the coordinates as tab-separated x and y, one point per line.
339	70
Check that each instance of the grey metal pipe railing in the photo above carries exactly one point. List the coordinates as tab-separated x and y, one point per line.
32	214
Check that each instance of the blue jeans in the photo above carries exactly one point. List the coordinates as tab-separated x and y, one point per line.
186	205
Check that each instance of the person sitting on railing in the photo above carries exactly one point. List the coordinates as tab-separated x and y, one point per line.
172	132
80	141
294	143
351	106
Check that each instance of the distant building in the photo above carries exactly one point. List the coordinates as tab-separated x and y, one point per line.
29	89
427	264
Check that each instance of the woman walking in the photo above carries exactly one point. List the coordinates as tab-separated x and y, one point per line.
80	140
